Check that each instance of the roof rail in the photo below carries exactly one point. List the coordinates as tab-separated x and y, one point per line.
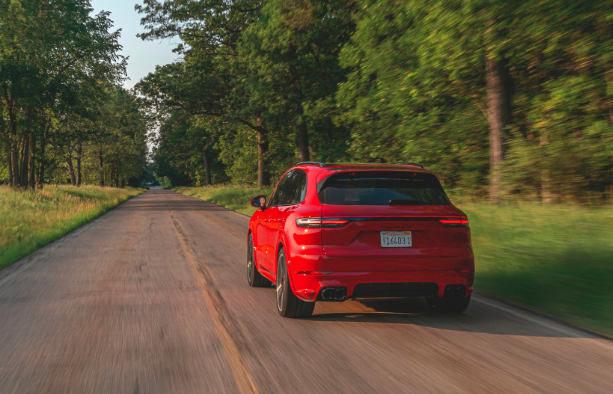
315	163
411	164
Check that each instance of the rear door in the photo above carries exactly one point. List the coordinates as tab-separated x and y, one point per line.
260	239
392	215
290	192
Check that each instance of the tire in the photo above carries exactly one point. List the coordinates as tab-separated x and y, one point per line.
254	278
288	305
450	305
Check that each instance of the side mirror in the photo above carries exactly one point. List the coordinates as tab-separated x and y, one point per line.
258	202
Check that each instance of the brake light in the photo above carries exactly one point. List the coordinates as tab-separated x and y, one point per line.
321	222
308	222
455	223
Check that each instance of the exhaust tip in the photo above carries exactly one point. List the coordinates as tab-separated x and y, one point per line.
455	290
334	294
327	294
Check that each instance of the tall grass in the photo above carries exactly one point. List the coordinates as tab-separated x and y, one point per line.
31	219
554	259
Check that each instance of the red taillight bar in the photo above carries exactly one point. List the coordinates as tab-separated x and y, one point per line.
462	222
321	222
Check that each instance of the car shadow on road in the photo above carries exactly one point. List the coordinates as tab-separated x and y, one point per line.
478	318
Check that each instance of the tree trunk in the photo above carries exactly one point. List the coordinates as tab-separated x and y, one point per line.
116	174
263	174
207	166
14	163
73	181
302	142
12	141
25	158
42	161
499	116
41	169
302	137
101	166
32	164
9	149
79	152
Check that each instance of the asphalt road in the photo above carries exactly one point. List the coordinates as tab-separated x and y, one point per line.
152	298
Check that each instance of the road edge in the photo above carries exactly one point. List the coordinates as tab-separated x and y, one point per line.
15	266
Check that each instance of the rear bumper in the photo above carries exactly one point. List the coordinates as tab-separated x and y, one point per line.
310	271
307	285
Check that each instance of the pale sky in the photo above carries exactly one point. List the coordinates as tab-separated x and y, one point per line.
144	55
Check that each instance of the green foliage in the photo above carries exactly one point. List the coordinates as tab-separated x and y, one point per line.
32	219
416	91
62	114
293	67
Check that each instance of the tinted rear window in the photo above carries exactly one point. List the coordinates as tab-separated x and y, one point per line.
382	188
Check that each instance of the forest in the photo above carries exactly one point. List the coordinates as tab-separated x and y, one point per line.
501	99
64	116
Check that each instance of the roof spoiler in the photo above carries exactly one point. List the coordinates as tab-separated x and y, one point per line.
410	164
314	163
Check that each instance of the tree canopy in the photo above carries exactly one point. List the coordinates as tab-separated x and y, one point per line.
63	115
499	98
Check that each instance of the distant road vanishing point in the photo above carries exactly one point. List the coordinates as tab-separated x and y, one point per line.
152	297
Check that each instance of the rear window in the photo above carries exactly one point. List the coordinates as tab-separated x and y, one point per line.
382	188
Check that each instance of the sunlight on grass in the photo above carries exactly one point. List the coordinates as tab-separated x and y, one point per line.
31	219
557	260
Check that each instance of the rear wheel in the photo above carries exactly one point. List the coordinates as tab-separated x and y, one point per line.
254	278
288	305
447	304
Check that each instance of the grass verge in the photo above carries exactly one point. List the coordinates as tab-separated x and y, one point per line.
557	260
235	198
32	219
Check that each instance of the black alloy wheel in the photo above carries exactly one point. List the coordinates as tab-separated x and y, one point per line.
288	305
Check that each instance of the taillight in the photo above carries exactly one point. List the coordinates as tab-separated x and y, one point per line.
455	223
308	222
321	222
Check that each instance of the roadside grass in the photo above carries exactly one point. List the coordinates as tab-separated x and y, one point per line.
557	260
235	198
32	219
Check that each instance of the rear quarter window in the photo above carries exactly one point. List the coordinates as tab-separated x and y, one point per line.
382	188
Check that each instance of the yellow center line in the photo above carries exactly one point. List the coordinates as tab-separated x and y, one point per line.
242	376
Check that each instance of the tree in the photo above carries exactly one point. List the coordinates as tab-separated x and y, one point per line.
292	53
48	52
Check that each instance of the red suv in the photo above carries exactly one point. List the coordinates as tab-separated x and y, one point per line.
332	232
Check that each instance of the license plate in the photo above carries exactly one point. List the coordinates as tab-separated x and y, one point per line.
396	239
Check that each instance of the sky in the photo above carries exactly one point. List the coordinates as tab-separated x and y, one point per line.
143	55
